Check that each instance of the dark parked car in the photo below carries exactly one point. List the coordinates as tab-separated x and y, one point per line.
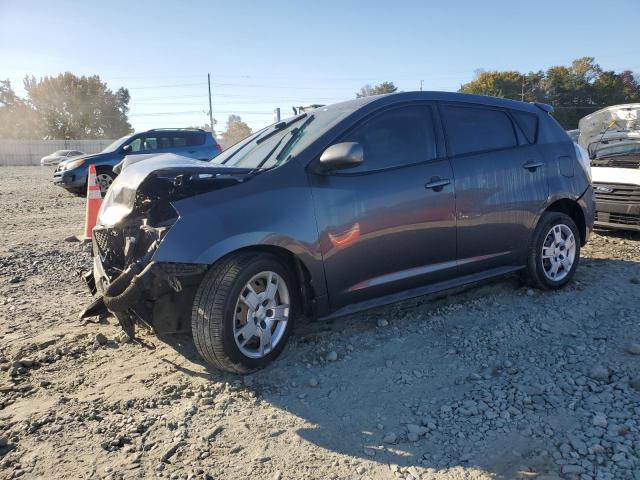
189	142
337	210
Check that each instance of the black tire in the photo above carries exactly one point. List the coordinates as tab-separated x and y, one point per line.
105	172
535	273
213	311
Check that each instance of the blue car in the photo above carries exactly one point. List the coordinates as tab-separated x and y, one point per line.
189	142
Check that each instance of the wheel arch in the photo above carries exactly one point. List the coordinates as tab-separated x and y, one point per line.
571	208
302	275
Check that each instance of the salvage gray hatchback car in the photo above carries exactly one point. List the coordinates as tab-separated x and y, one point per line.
345	208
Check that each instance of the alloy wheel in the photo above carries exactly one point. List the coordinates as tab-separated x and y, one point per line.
261	314
104	181
558	252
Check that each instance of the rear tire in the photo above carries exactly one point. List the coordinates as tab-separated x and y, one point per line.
554	252
221	312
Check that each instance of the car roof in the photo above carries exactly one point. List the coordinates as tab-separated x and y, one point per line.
391	98
199	130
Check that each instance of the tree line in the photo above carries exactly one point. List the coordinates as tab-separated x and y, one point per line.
574	91
64	106
68	106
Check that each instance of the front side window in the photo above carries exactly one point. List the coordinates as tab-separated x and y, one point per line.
136	145
477	129
112	147
402	136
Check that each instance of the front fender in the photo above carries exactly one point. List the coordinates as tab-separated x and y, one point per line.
214	224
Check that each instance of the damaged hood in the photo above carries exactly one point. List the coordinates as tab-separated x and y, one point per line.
619	122
121	197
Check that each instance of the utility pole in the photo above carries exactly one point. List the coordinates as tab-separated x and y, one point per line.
421	82
210	108
522	92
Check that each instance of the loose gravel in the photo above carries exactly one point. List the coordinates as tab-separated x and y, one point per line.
495	381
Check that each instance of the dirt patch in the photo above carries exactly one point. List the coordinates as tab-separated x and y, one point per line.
497	381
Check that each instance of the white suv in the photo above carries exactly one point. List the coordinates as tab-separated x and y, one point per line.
611	137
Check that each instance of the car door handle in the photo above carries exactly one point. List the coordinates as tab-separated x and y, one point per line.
192	151
437	184
532	166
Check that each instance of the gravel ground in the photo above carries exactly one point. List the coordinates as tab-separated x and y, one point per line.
496	381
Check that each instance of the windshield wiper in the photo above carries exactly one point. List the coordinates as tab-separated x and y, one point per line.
266	134
293	134
280	126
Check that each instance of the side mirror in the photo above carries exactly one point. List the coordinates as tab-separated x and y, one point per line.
342	155
126	149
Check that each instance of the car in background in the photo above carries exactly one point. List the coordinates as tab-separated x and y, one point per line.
336	210
574	134
188	142
611	137
56	157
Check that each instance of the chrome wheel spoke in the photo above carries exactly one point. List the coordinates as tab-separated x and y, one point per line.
265	341
280	313
569	243
272	287
557	234
558	252
250	297
247	332
261	314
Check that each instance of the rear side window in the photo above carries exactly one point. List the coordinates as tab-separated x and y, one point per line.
474	129
179	141
397	137
196	138
149	144
528	123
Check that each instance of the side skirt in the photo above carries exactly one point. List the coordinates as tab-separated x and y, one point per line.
423	290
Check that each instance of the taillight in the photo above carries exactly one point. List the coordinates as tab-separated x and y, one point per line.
217	147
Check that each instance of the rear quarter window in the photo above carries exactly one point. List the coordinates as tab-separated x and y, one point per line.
196	138
528	123
477	129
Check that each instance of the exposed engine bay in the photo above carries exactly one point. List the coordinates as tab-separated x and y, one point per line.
135	216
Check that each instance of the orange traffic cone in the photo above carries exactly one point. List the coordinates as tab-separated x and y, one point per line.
94	200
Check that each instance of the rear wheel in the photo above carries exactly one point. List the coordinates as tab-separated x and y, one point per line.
554	252
243	311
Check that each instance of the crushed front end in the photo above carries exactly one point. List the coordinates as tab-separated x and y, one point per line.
136	215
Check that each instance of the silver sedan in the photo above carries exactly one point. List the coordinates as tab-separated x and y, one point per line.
56	157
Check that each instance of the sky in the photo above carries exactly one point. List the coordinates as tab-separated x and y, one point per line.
267	54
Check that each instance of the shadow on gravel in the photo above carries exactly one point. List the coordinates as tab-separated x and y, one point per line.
396	392
621	234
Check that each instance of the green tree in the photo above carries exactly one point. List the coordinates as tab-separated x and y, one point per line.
385	87
68	106
236	130
574	91
17	118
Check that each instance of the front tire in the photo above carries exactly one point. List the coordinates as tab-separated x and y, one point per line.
243	312
554	252
104	178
